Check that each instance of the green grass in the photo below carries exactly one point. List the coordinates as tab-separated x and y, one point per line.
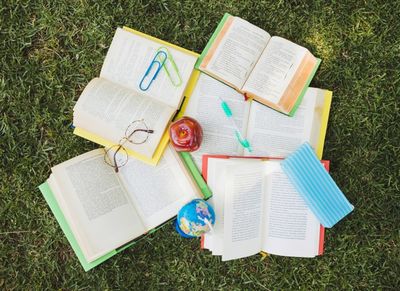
51	49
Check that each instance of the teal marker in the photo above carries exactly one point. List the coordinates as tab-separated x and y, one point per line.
228	112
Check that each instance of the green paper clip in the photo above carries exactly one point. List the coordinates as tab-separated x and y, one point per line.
173	76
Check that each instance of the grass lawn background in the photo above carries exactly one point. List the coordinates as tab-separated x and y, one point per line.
51	49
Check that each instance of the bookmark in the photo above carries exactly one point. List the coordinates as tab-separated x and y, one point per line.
158	62
316	186
173	74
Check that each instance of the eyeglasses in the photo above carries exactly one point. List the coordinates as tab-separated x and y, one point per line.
136	133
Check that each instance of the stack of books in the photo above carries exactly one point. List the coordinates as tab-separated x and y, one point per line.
107	199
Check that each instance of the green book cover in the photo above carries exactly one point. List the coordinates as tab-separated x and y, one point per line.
210	42
191	166
52	202
56	210
303	92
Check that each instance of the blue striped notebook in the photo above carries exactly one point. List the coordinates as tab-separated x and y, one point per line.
316	186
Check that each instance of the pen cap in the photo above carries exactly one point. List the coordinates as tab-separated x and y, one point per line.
226	109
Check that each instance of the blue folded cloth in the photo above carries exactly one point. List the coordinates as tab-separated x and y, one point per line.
316	186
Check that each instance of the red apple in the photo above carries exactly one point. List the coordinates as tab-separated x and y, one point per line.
186	134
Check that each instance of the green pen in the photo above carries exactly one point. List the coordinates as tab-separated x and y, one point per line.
228	112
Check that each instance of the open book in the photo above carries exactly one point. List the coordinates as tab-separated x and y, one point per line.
258	209
272	70
110	103
103	210
270	133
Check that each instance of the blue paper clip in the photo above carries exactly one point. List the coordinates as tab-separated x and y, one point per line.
157	61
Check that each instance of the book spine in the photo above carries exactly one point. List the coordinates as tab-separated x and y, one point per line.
194	171
321	240
324	123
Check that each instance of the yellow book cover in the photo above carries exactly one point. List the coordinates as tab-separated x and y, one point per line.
324	123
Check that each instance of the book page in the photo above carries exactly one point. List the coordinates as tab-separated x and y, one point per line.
275	69
216	181
95	204
243	211
273	134
218	131
157	192
215	175
129	57
107	109
290	227
236	52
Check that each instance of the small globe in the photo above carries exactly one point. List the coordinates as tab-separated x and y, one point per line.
195	218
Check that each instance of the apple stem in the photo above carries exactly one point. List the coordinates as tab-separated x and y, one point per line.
183	133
